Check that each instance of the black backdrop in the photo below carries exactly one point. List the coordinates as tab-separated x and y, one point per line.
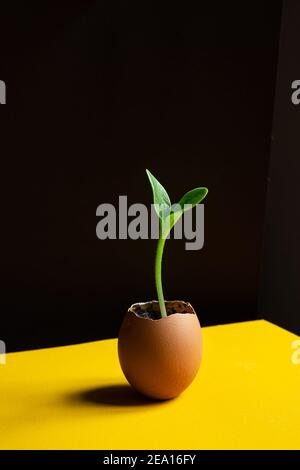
97	92
279	293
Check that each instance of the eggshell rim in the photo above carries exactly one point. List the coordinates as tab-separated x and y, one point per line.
131	309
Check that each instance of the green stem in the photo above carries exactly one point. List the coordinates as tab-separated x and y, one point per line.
158	262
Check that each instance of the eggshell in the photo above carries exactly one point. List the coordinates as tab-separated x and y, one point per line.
160	358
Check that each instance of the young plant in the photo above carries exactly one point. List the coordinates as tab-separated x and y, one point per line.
168	216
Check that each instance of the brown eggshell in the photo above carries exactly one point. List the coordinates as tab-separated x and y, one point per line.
160	358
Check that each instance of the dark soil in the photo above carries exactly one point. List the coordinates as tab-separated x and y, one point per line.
151	309
151	315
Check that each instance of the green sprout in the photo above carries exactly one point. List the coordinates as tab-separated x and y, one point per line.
168	216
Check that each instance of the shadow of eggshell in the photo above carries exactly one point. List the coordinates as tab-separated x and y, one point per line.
160	357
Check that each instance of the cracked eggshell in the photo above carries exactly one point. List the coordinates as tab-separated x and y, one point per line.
160	358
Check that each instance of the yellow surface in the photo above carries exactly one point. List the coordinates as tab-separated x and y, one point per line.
246	396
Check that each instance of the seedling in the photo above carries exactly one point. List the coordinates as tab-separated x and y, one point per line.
168	216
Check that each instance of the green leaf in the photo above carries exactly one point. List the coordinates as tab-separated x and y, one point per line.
161	198
192	198
171	219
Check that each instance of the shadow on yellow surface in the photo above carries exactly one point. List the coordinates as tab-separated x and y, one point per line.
113	395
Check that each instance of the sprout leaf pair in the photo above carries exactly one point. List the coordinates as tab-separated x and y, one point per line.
168	216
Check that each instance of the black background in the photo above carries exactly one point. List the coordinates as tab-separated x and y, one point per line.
279	293
97	92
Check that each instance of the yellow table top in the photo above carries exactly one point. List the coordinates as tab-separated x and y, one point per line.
246	396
